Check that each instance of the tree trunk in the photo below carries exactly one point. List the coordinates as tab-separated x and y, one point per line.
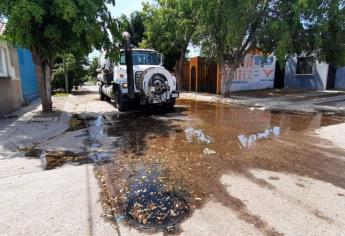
179	68
228	75
65	74
43	80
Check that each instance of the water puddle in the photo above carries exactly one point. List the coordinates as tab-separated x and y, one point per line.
156	168
167	165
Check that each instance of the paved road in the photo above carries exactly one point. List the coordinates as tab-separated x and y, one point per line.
240	171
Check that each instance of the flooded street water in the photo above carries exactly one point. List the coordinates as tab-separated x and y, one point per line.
165	165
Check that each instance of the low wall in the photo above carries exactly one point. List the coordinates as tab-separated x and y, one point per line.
340	78
256	72
11	95
317	80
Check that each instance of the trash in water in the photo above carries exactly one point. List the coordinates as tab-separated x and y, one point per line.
76	123
250	140
148	203
208	151
155	209
197	135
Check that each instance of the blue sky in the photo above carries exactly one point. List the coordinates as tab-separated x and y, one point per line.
125	7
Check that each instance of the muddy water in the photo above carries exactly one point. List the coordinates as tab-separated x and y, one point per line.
167	164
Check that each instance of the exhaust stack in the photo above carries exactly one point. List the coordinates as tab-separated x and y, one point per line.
129	64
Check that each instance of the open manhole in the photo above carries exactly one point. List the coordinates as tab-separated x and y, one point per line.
156	210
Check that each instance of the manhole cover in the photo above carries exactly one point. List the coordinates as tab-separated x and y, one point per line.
156	210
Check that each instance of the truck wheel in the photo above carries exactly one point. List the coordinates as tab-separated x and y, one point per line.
102	96
108	99
120	104
170	104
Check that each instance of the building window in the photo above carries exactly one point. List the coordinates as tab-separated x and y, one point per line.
3	65
305	66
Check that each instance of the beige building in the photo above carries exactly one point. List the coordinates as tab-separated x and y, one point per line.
11	95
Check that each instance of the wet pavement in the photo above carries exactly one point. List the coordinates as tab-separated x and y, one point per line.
199	169
157	167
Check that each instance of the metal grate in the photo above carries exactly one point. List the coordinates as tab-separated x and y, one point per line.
137	79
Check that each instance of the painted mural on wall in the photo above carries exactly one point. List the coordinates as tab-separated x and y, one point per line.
256	72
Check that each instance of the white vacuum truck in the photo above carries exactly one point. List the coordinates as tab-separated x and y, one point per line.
137	76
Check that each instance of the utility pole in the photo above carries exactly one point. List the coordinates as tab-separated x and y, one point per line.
65	73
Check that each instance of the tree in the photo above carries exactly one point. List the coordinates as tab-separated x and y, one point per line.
134	25
53	27
93	65
228	29
74	66
169	28
137	22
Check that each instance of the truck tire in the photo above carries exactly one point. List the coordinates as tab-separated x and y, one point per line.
170	104
120	104
102	96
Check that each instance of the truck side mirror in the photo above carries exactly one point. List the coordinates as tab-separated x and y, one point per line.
161	61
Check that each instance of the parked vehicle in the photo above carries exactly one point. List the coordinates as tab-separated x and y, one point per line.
137	76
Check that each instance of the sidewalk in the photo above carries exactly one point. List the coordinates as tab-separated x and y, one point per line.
280	100
64	201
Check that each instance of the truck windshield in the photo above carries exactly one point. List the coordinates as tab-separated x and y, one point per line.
142	58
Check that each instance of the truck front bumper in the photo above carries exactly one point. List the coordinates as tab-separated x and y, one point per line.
175	95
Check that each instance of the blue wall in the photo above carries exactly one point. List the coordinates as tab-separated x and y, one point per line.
317	80
340	78
27	75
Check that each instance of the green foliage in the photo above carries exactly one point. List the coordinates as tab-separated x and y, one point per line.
76	71
133	25
227	29
53	27
91	71
169	26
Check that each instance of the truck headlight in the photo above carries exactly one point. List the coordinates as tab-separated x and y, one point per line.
125	85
